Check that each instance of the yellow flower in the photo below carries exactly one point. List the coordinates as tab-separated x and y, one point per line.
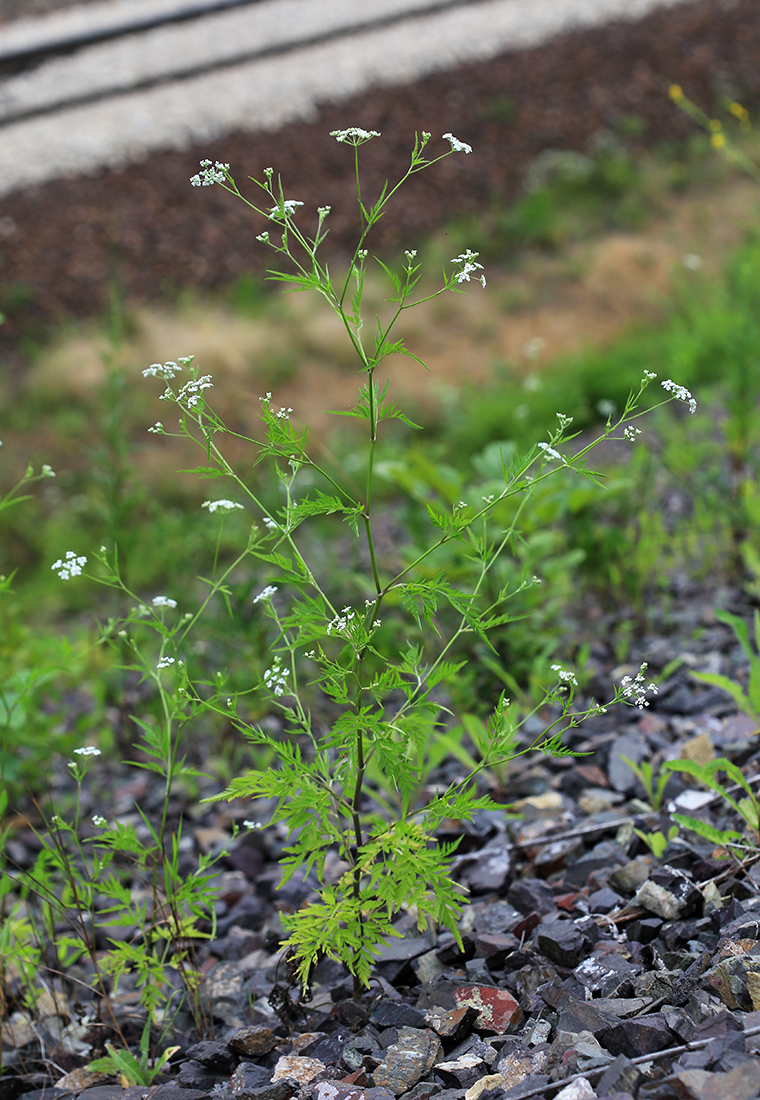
718	141
675	92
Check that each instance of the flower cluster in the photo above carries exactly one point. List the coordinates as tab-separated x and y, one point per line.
457	146
341	621
634	690
221	505
284	209
467	259
565	676
270	524
98	820
283	414
165	662
549	452
192	390
354	135
163	601
266	593
157	429
680	393
69	566
210	174
275	677
88	750
631	432
167	371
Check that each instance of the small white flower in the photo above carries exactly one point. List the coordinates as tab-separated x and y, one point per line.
564	421
266	593
263	237
649	375
457	146
165	662
157	429
354	135
410	254
167	371
467	259
323	211
680	393
566	677
549	452
284	209
270	524
69	566
283	414
631	432
163	601
98	820
310	653
530	350
220	505
210	174
48	471
88	750
275	677
634	690
253	825
192	391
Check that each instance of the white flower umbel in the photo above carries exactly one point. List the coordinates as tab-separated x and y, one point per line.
253	825
210	174
157	429
221	505
163	601
88	750
457	146
266	593
354	135
549	452
467	260
680	393
270	524
565	676
341	621
47	471
634	690
192	391
275	677
167	371
165	662
69	566
284	209
631	432
99	820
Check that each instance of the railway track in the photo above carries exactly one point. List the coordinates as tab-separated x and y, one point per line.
107	84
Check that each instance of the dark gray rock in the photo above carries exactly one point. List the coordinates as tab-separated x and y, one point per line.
253	1041
193	1075
212	1055
641	1035
248	1078
620	1076
563	942
396	1014
531	895
411	1057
